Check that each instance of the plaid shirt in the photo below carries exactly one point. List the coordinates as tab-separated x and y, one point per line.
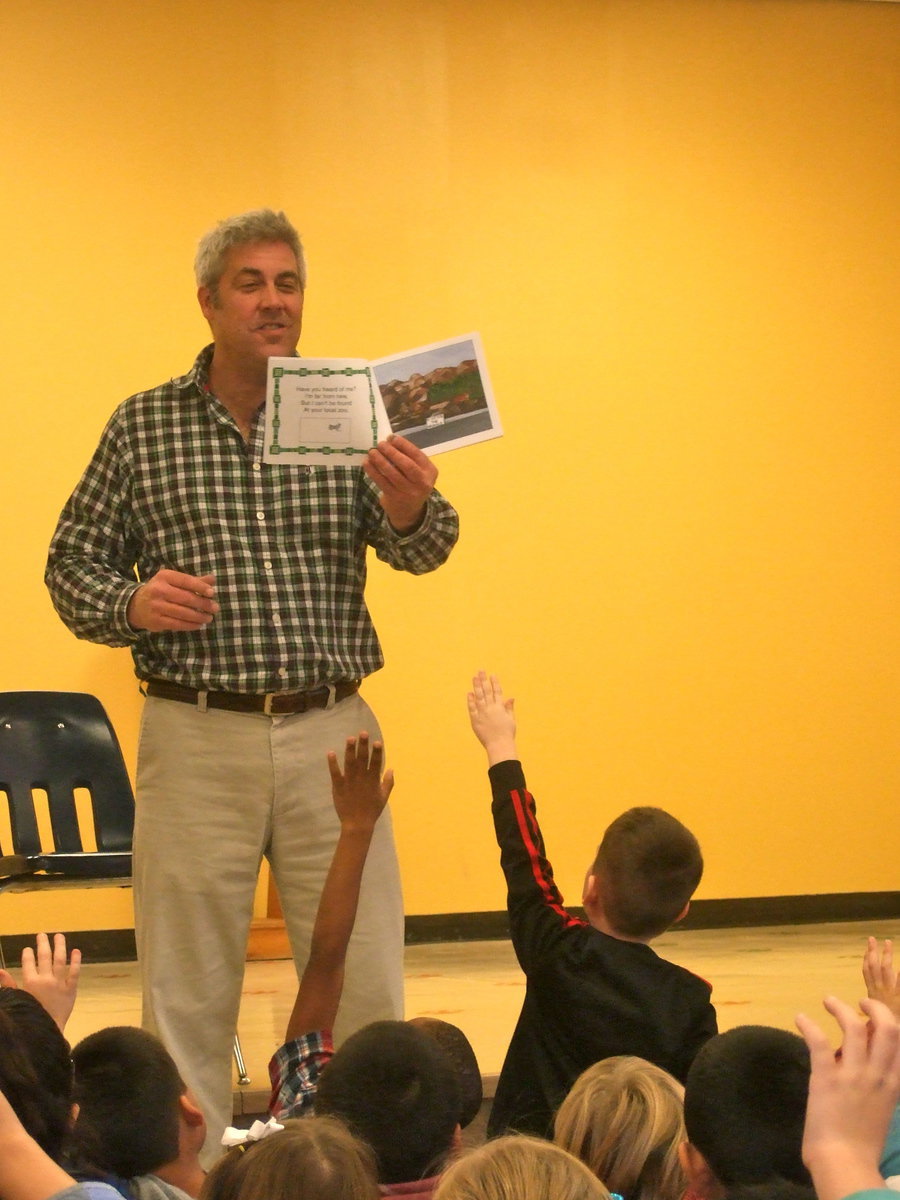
294	1070
173	484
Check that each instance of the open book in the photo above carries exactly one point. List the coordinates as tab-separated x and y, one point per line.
329	411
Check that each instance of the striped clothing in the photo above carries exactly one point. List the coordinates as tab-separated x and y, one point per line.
173	484
588	995
294	1071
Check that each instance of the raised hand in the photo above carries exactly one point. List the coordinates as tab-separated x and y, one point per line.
881	978
359	791
49	976
852	1097
492	717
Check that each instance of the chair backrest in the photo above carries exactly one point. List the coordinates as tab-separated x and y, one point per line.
57	742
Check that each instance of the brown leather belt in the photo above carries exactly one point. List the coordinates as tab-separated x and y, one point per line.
273	704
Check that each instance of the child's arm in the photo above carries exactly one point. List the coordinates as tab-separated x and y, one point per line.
882	982
26	1173
851	1098
360	795
537	915
49	977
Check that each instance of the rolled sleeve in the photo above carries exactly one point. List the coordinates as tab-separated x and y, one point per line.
294	1072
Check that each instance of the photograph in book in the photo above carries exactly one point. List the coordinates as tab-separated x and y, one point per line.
439	396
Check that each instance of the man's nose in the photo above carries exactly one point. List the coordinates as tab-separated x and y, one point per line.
271	297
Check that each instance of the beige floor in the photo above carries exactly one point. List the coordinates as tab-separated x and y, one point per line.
759	976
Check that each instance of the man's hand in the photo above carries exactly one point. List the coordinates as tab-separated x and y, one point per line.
851	1098
881	978
405	477
359	792
492	717
171	600
49	977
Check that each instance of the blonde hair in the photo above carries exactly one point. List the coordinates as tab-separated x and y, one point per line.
312	1158
519	1168
624	1118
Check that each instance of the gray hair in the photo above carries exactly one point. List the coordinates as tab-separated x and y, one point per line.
260	225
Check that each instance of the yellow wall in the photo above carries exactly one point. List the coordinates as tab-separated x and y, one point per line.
674	223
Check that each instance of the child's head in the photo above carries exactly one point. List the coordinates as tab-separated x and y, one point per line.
394	1087
35	1070
647	868
129	1094
744	1108
458	1049
624	1118
519	1168
313	1158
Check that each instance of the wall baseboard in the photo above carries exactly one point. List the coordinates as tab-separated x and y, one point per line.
117	945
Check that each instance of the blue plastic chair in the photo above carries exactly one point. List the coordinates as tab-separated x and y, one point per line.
56	742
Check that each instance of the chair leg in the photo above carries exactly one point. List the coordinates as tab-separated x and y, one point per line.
243	1077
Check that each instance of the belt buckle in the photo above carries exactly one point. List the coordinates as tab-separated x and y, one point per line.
267	703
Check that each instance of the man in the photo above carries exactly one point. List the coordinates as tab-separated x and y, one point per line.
247	620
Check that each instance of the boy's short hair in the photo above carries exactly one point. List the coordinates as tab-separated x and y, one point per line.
745	1105
647	868
458	1049
394	1087
128	1089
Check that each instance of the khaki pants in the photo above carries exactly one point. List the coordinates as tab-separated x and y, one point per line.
215	792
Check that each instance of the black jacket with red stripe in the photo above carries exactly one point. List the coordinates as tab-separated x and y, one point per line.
588	995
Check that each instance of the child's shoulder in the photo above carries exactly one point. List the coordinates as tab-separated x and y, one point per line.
637	959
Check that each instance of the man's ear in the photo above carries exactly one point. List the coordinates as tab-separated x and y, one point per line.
684	912
700	1177
205	300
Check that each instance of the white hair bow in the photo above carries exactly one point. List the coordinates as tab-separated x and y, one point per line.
257	1131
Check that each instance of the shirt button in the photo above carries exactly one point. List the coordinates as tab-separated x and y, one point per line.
257	467
267	564
260	516
282	671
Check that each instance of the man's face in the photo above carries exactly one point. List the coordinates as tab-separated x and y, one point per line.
257	308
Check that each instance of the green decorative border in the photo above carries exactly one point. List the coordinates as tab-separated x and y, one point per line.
345	451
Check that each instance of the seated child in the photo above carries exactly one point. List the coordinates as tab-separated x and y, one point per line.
137	1120
594	988
393	1086
36	1105
519	1168
744	1107
313	1159
624	1118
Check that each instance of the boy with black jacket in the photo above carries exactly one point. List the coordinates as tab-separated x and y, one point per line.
594	988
